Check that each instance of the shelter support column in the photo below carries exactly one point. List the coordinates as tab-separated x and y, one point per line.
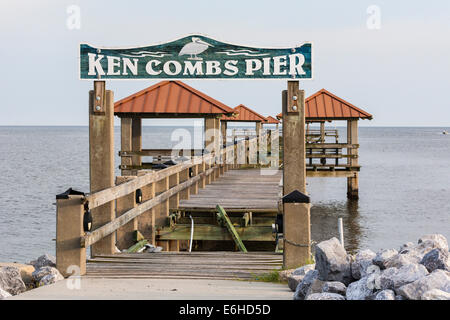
136	142
258	142
296	224
212	142
101	160
125	144
352	138
223	129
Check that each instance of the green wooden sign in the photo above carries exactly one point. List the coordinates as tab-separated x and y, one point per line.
194	57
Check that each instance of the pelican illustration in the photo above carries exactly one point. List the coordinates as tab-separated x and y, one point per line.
193	48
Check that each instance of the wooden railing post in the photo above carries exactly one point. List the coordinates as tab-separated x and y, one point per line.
125	234
146	221
174	201
194	187
125	143
202	168
184	176
101	159
162	209
69	230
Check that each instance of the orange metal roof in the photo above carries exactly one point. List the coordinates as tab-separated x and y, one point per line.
243	113
168	98
323	105
271	120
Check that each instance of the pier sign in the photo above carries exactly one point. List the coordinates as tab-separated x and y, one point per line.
196	57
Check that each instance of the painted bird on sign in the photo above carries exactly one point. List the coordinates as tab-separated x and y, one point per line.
195	47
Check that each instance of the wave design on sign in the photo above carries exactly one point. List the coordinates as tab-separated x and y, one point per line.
140	54
243	52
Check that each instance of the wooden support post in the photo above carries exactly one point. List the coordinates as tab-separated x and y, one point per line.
101	159
69	230
258	142
297	238
352	138
146	221
223	128
322	132
136	132
162	210
202	168
125	234
194	187
174	201
125	143
184	176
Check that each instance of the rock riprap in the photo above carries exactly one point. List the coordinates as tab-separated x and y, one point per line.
418	271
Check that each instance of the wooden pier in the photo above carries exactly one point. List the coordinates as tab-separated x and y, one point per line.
184	265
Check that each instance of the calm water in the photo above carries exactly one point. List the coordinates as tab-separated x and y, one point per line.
404	186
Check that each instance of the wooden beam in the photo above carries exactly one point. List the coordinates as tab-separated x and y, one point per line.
297	249
136	132
101	160
216	233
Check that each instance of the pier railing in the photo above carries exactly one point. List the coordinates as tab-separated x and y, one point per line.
134	201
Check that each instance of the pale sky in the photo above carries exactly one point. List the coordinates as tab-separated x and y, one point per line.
399	73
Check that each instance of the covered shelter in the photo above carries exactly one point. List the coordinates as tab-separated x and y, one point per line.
272	120
323	156
166	99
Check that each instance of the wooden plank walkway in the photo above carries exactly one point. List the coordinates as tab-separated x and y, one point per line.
245	189
184	265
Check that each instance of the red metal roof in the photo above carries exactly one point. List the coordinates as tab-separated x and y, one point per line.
168	98
243	113
323	105
271	120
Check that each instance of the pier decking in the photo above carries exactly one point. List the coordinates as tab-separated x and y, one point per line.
238	190
184	265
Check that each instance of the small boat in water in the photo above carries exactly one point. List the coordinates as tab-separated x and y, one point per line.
444	132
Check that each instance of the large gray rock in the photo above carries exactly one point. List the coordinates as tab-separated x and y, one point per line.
405	246
332	262
293	281
383	256
11	280
296	275
430	241
436	259
363	260
50	274
334	287
45	260
303	286
393	278
402	259
438	279
315	287
435	294
325	296
302	271
4	294
359	290
385	295
50	278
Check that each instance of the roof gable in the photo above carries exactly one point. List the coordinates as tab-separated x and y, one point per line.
323	105
245	114
271	120
170	97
